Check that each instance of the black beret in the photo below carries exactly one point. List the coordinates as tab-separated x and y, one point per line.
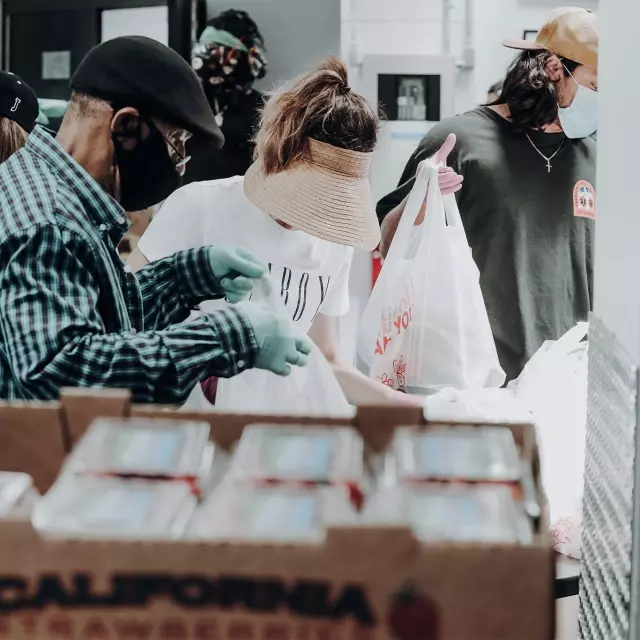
134	71
18	101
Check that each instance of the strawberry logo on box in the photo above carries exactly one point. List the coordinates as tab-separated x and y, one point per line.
413	616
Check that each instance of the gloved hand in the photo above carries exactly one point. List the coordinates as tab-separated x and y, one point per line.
280	344
236	269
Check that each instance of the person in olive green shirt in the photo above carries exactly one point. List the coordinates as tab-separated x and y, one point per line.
528	198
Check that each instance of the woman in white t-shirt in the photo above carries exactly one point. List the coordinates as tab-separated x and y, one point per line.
301	208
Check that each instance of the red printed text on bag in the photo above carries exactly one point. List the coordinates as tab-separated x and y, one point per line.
395	320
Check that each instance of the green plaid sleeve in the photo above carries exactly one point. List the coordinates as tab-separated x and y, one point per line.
172	286
54	336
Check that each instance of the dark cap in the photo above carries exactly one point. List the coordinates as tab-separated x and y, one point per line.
18	101
134	71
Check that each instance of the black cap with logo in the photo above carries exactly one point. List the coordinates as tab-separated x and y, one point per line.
134	71
18	101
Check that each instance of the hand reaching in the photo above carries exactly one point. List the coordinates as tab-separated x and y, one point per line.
280	345
237	271
448	180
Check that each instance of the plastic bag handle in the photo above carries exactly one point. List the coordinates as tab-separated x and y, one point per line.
427	174
452	211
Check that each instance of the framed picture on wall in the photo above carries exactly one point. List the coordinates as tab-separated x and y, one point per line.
530	34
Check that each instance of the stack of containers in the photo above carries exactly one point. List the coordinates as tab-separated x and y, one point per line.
165	479
287	484
135	479
456	483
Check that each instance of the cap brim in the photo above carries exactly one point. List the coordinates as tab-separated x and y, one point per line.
312	200
522	45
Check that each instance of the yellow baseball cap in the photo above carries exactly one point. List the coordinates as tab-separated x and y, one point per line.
569	32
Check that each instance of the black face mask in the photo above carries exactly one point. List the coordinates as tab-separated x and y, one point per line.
147	174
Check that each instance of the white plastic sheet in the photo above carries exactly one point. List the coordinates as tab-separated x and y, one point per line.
425	326
312	390
553	386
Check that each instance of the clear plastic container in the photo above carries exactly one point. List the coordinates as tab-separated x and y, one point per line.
317	455
15	489
144	447
281	514
481	513
473	454
452	513
86	506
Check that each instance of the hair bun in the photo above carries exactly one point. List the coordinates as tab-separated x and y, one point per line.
334	72
320	105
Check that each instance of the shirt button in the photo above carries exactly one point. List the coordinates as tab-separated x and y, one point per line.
127	268
134	331
121	220
103	227
241	364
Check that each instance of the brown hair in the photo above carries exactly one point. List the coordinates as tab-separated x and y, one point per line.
319	105
12	138
531	96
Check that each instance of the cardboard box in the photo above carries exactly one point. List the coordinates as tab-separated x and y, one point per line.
377	584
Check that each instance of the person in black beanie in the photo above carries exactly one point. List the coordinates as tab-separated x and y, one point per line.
229	57
18	113
71	313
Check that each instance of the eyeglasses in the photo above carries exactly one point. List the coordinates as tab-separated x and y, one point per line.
177	144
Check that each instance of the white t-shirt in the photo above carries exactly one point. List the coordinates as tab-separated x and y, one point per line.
313	273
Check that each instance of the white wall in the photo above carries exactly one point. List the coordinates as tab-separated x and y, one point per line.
617	295
152	22
297	33
415	26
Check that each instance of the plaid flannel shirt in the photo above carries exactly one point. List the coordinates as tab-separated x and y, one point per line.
72	314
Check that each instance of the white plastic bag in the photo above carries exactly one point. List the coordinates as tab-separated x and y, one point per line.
490	405
553	386
425	326
308	391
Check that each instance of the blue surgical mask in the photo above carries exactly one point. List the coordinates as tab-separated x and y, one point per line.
580	118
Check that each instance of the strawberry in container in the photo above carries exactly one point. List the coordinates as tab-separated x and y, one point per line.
301	456
147	449
277	513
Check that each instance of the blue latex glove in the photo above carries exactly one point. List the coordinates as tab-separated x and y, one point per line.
236	269
280	344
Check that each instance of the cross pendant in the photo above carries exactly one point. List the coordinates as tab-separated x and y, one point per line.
548	166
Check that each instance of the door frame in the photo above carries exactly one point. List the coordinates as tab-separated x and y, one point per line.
13	7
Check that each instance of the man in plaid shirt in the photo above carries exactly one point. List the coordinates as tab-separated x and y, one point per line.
71	313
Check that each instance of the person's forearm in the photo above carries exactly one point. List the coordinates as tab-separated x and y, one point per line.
392	220
171	287
361	390
157	366
390	226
